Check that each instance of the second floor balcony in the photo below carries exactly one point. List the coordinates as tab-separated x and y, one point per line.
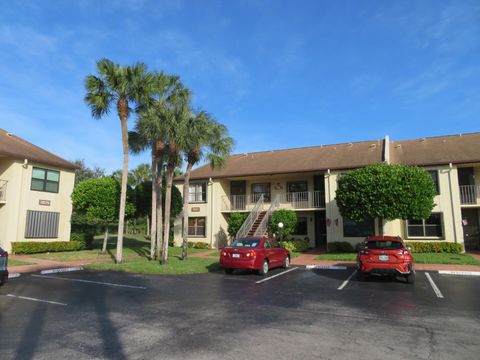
470	194
305	200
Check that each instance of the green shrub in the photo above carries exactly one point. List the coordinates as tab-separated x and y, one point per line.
295	245
235	221
289	220
435	247
198	245
84	232
32	247
340	247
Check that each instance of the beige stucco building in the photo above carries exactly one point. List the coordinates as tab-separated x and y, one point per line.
35	190
305	180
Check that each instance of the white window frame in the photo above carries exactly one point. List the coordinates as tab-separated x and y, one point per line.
442	224
195	193
196	227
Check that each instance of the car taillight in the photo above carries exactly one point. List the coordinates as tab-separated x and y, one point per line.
251	253
224	253
3	253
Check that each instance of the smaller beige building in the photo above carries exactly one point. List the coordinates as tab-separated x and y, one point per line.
35	190
305	180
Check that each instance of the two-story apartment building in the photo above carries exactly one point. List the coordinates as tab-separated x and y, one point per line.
305	180
35	190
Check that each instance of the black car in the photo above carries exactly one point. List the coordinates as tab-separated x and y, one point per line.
3	266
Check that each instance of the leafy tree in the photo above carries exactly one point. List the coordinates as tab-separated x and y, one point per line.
85	173
289	220
119	87
385	192
204	138
235	221
141	174
97	200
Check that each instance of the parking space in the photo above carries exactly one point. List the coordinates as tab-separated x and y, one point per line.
93	314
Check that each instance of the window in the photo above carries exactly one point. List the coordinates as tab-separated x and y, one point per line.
45	180
297	191
197	192
431	227
245	243
259	189
301	228
196	226
42	224
434	175
358	229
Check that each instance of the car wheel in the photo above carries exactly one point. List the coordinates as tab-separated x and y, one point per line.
264	269
410	278
286	263
228	271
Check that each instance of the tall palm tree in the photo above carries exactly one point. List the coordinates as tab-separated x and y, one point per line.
150	134
205	138
176	113
123	87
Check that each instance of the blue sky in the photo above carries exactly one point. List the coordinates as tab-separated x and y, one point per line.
278	73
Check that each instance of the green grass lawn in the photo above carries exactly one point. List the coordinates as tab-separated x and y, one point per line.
12	262
174	266
426	258
134	245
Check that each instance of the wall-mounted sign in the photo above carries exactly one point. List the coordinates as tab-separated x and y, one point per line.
195	209
44	202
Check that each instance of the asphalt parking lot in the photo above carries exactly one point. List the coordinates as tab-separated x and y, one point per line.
301	314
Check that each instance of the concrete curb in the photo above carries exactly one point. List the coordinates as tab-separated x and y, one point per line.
463	273
325	267
13	275
61	270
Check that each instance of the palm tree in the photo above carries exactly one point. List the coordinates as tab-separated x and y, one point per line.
205	138
150	134
175	115
120	86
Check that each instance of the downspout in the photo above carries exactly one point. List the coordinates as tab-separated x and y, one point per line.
210	183
329	203
450	166
20	206
386	150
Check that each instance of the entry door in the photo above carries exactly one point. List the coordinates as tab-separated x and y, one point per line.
238	194
319	191
471	228
320	230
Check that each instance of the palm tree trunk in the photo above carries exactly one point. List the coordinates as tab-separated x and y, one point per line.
168	200
186	200
105	240
153	230
159	184
123	112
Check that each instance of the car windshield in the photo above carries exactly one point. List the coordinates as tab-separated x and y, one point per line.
384	245
246	243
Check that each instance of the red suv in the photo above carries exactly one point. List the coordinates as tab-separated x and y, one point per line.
3	266
385	255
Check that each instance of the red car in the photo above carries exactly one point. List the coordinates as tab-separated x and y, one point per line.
254	253
386	255
3	266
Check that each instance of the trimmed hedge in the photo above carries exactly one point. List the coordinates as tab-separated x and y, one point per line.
32	247
295	245
340	247
435	247
198	245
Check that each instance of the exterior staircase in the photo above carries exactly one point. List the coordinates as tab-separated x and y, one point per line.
257	223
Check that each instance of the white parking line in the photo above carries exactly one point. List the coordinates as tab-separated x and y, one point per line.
346	281
61	270
274	276
434	286
462	273
35	299
325	267
13	275
91	282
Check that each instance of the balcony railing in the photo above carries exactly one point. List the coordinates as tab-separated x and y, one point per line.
3	191
293	200
469	194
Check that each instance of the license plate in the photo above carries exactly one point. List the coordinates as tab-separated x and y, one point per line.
235	255
384	257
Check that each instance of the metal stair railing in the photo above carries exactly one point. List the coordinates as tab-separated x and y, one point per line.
262	228
247	224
